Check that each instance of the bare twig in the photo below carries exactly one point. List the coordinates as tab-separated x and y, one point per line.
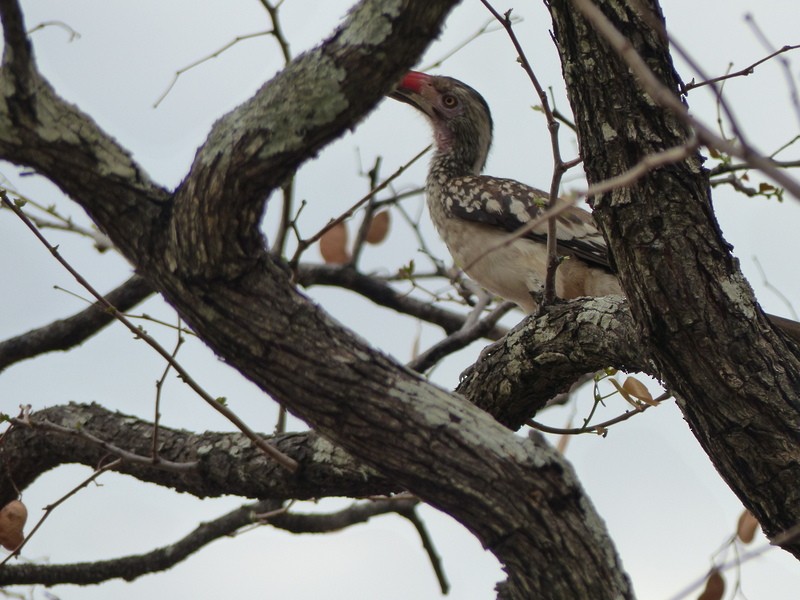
766	283
427	543
687	87
304	244
215	403
61	223
666	98
124	455
67	333
131	567
559	166
485	28
73	35
599	427
277	30
48	510
778	540
459	339
732	167
159	388
208	57
383	294
784	62
369	211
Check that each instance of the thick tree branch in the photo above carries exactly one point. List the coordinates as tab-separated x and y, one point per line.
68	333
735	377
543	356
227	462
40	130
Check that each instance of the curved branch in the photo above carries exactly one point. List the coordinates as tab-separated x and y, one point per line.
131	567
358	512
543	356
68	333
161	559
227	462
40	130
383	294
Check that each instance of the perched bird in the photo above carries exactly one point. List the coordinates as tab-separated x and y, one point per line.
474	212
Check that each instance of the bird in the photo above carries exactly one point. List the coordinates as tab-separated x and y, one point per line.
474	213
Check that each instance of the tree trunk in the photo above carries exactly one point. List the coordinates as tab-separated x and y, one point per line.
735	377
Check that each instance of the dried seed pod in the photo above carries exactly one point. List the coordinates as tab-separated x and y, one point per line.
333	245
715	587
378	227
747	526
12	519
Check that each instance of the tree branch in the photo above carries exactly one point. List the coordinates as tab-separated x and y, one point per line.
68	333
544	355
131	567
384	294
226	462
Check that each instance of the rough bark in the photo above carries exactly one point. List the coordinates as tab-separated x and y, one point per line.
221	463
201	248
543	356
736	377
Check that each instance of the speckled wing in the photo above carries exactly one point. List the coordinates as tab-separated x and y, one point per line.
509	205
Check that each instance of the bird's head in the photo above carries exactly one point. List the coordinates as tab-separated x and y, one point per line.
461	120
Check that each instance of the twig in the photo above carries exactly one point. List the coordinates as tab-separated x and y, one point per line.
48	510
459	339
208	57
304	244
687	87
282	459
732	167
599	427
73	35
559	166
124	455
131	567
481	31
159	388
277	30
63	334
666	98
790	83
369	211
778	540
765	282
427	543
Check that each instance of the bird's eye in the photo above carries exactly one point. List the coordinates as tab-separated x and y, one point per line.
449	101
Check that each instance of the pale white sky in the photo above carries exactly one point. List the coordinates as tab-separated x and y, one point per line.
664	504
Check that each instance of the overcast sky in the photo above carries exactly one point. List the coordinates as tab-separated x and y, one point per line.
665	506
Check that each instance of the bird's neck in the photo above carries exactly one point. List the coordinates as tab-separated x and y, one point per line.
448	163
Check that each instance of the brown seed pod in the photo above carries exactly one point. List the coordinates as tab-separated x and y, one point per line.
12	519
333	245
746	528
378	227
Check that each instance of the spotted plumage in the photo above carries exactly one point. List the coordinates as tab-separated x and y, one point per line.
472	212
